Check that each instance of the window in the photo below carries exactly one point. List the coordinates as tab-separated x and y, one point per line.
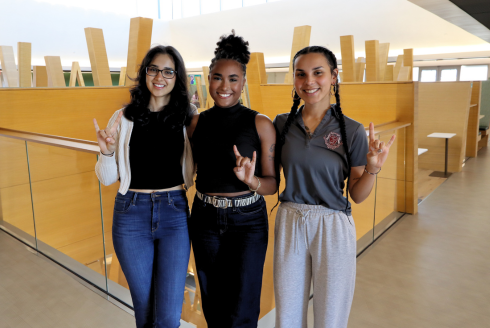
415	73
191	8
428	75
210	6
474	73
176	9
230	4
247	3
449	75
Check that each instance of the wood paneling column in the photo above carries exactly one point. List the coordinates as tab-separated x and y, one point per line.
348	58
139	43
398	67
372	61
408	61
24	62
255	73
98	57
301	39
55	71
40	76
9	69
76	75
384	49
205	75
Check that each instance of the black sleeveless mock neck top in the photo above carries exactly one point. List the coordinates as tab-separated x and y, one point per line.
217	130
155	153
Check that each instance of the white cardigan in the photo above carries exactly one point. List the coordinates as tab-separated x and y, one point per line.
109	169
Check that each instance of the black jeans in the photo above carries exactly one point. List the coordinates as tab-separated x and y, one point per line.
229	248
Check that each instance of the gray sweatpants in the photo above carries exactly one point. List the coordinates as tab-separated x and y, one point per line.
312	241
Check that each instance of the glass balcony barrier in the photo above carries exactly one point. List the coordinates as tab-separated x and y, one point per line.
51	200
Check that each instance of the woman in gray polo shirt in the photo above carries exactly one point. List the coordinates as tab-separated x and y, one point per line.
315	238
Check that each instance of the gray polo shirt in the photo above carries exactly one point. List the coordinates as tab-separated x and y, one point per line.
315	169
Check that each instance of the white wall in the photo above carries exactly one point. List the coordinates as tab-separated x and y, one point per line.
58	30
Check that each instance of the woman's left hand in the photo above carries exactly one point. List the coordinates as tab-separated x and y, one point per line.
378	151
245	168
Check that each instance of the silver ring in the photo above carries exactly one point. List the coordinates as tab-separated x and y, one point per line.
380	151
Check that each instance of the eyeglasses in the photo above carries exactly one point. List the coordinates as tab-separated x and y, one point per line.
166	72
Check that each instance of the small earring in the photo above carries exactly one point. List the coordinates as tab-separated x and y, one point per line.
293	92
332	90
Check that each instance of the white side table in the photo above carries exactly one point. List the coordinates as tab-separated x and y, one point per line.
446	136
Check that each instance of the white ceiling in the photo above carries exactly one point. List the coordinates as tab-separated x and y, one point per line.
57	30
269	29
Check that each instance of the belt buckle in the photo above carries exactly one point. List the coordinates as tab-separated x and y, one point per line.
216	200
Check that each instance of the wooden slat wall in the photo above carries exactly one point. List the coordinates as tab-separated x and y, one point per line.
66	112
443	107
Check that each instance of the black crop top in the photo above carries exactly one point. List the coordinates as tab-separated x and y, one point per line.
217	130
155	152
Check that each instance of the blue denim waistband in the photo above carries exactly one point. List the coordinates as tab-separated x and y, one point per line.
151	196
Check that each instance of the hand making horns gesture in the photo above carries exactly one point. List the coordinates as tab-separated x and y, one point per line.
107	137
378	151
245	168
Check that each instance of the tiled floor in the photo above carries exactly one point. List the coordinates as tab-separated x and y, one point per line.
432	269
36	293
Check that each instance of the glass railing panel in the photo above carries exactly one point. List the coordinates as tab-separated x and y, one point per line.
116	282
66	200
15	193
390	191
363	215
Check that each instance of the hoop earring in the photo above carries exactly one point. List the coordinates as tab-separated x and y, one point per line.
292	95
334	89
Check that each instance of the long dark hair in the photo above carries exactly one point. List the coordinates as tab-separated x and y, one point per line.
178	110
337	112
232	47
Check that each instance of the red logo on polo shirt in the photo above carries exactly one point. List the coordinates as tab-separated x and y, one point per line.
333	140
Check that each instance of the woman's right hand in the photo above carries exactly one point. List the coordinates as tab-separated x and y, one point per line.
107	137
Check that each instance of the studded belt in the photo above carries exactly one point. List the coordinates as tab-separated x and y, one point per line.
223	202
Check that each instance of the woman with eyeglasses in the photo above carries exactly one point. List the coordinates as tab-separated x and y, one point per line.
234	151
150	212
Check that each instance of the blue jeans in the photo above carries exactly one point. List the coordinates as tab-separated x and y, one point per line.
152	244
229	248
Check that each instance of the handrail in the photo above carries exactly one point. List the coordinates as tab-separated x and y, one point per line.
70	143
388	126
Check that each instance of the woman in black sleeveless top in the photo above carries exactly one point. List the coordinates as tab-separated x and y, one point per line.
234	151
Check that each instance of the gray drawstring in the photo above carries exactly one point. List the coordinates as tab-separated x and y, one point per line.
303	223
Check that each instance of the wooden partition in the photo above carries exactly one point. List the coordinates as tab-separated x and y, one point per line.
443	107
485	104
66	112
473	132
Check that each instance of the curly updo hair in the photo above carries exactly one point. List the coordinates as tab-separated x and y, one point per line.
232	47
178	111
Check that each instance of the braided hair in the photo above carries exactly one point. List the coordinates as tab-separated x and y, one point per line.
232	47
337	113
